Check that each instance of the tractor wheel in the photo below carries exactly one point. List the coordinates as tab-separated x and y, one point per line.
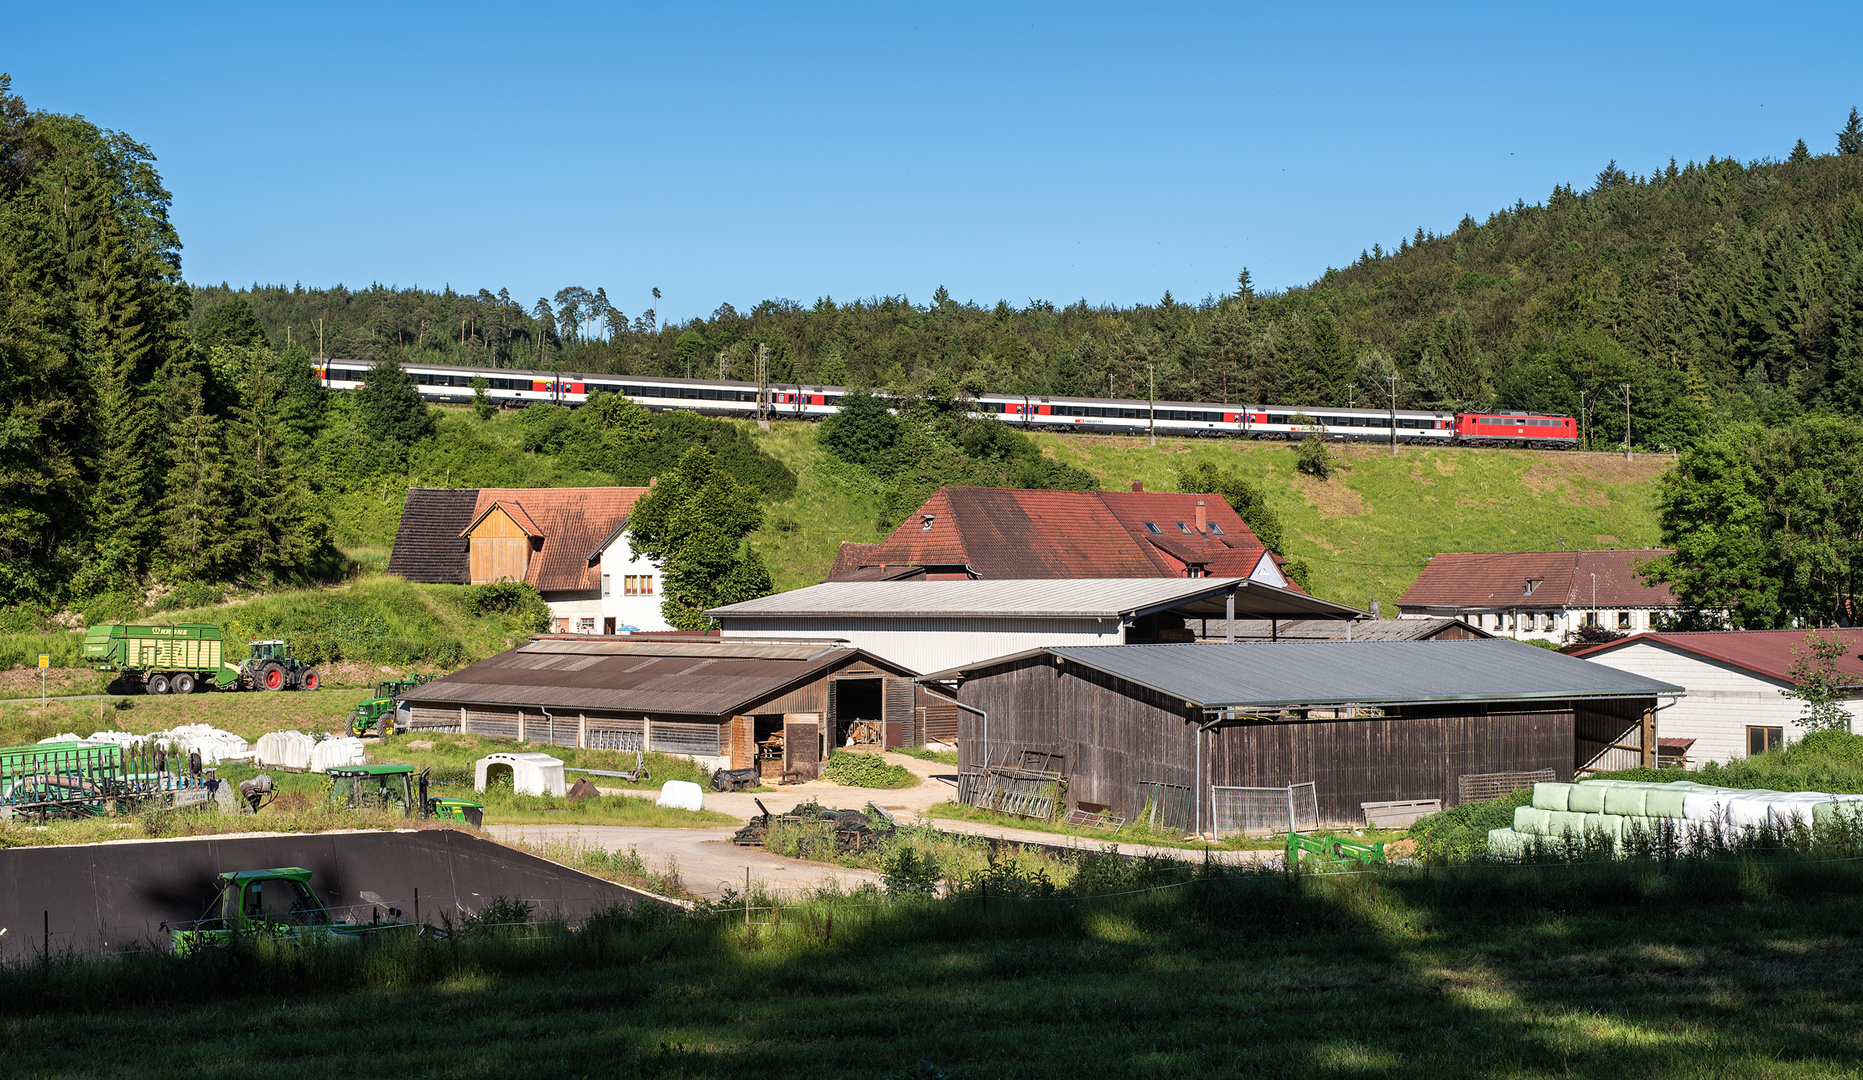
182	683
310	680
386	725
272	676
158	684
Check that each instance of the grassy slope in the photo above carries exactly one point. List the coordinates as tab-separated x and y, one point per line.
1367	531
1571	972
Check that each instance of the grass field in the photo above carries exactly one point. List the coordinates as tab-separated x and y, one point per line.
1691	970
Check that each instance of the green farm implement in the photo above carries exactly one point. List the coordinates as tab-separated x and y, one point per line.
377	714
397	789
1332	852
277	904
184	659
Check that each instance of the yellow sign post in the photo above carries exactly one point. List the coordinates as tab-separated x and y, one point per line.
45	661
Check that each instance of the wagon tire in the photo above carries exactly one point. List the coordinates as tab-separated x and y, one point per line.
182	683
158	684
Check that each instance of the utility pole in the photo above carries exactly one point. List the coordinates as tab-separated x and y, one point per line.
1151	403
1392	379
320	337
763	383
1626	392
1584	443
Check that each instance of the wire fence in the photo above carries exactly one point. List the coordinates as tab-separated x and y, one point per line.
1251	811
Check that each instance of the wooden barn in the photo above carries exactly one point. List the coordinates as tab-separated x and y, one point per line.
1136	727
728	703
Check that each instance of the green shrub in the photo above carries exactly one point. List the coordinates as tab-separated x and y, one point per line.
868	771
518	599
1462	831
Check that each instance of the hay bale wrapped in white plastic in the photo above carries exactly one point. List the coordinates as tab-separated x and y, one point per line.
1586	798
1551	796
1508	844
334	753
681	795
214	744
1625	801
284	749
1532	820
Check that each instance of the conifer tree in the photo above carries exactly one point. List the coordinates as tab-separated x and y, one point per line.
197	508
277	532
1850	139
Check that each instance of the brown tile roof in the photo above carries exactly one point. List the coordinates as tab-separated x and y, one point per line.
1764	652
427	545
658	677
1564	579
1017	534
574	522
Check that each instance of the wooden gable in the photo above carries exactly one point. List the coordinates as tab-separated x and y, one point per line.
499	547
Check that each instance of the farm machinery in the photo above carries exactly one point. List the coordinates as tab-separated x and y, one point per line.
1331	852
45	781
379	713
279	904
183	659
397	788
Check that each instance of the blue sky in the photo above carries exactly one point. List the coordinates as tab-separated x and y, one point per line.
728	152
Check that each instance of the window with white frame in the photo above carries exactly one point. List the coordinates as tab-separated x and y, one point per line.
607	585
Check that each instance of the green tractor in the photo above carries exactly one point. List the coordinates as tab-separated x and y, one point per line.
396	788
377	714
272	667
275	903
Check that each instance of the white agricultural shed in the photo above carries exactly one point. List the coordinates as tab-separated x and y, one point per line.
936	625
1735	679
531	774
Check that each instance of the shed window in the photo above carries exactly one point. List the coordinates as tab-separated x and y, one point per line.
608	584
1764	740
1152	527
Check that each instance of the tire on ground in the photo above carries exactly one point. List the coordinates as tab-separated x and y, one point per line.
182	683
158	683
310	680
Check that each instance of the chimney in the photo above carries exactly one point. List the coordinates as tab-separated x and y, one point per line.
1138	485
1203	519
652	480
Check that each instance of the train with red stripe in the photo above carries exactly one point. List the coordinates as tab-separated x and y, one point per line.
1113	416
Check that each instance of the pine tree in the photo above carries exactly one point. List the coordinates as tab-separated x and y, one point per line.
277	532
389	406
197	508
1850	139
1800	153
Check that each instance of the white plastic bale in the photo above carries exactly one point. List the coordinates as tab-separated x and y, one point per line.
684	795
335	753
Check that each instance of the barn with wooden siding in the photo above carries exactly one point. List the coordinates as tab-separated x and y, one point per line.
729	703
1363	721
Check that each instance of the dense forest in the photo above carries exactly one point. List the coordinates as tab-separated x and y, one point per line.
1706	292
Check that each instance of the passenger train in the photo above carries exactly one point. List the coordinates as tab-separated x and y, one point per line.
797	401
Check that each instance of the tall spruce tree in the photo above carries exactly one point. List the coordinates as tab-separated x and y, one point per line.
278	533
1850	139
197	507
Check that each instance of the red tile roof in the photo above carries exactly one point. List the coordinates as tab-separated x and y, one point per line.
573	523
1764	652
1564	579
1018	534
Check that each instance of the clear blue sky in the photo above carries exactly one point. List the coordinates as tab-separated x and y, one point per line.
738	152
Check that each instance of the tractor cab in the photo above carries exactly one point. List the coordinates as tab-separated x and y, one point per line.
279	903
396	788
374	787
270	650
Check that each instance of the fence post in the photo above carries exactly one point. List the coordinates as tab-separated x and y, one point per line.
1290	809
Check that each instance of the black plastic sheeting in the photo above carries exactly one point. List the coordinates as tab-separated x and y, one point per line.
106	897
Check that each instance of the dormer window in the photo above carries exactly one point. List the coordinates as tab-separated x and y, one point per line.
929	518
1532	583
1152	527
1183	528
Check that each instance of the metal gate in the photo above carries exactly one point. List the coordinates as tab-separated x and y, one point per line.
1264	809
1162	806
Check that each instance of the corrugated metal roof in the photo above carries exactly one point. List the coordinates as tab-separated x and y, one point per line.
808	650
1771	653
1085	597
1337	630
1291	673
657	678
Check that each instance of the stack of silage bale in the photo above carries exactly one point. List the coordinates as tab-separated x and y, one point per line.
1621	810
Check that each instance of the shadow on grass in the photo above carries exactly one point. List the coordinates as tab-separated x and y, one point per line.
1725	967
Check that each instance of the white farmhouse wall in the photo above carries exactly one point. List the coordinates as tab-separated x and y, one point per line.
1557	625
928	645
1722	700
589	612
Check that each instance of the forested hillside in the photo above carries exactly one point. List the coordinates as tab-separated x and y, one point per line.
1711	290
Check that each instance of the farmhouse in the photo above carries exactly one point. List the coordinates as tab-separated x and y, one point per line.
1736	704
1002	533
719	702
571	543
930	625
1195	729
1546	595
